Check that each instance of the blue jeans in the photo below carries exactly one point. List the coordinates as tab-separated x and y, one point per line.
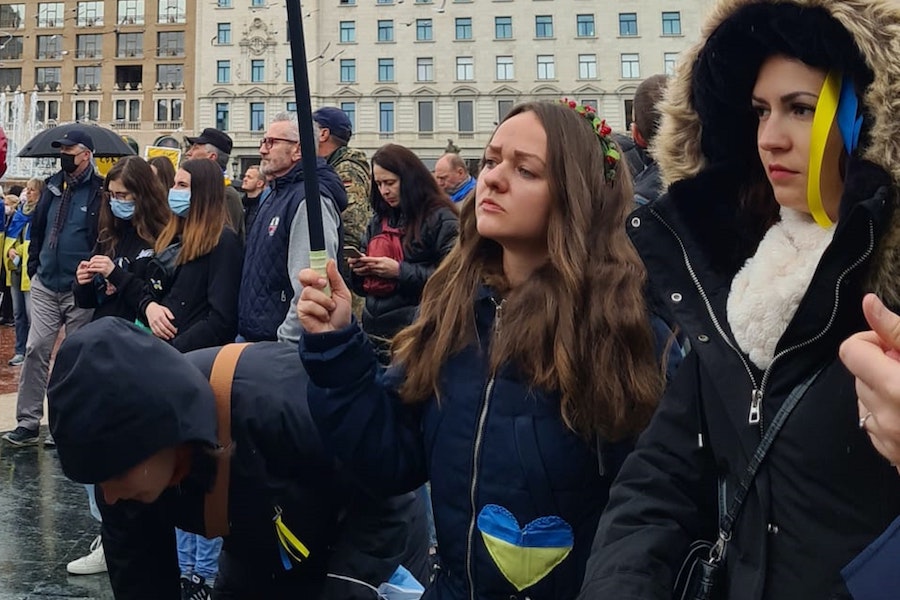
198	555
92	500
21	302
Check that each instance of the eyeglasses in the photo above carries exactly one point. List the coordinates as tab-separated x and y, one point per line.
120	195
268	142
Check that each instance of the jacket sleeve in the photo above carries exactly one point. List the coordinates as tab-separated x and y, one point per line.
356	282
358	412
663	499
441	236
139	545
38	227
298	259
85	295
219	326
130	283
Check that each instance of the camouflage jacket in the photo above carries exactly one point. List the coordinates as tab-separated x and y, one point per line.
352	167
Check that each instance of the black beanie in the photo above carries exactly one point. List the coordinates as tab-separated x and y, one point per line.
118	395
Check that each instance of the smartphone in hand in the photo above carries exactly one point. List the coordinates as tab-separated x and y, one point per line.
351	252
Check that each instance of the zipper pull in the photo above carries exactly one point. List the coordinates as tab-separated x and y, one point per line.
755	406
498	313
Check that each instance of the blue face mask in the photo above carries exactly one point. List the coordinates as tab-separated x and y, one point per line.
121	209
179	201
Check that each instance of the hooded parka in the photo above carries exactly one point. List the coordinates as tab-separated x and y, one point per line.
823	493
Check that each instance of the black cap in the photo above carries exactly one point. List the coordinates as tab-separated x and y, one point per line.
74	137
220	140
119	395
335	120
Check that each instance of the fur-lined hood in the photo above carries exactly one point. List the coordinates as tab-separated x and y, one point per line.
686	145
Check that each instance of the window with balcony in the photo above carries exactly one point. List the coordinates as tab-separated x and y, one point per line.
87	76
385	69
386	117
628	24
172	11
584	26
669	60
223	33
385	30
47	110
170	43
89	46
424	32
546	67
12	16
465	117
170	75
50	14
130	12
631	66
348	32
426	117
11	49
47	76
425	69
671	23
257	71
257	116
168	113
349	109
223	71
87	110
348	70
464	28
543	26
89	14
503	28
465	68
49	46
128	110
505	68
223	112
11	78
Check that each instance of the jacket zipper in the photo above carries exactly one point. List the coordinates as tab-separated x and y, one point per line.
476	453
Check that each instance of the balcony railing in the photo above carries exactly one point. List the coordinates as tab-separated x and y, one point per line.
127	125
167	124
130	53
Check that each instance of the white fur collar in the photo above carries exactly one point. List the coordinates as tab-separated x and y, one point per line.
767	290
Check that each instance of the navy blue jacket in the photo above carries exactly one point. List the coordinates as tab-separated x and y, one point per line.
495	449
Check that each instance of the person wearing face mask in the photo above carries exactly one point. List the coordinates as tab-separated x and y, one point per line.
197	307
64	230
15	253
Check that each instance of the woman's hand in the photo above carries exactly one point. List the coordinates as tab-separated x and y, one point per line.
318	313
83	273
101	265
160	320
376	266
874	358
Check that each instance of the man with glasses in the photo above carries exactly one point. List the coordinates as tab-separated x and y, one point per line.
63	232
278	239
216	146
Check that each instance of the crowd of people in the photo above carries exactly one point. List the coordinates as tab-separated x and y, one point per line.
603	367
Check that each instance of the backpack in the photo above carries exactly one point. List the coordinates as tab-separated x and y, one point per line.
388	243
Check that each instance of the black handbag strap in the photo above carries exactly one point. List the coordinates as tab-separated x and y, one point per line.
727	523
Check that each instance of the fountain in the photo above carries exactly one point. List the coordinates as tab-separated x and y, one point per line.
20	126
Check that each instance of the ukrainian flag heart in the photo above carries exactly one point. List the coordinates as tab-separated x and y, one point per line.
524	554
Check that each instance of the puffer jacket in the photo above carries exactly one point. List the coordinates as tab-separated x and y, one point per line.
823	493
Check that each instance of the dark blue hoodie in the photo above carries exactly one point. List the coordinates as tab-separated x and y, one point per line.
269	286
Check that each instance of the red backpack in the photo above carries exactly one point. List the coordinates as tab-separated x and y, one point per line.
388	243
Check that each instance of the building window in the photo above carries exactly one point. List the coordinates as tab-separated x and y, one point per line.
384	1
47	76
347	2
88	46
424	32
503	28
49	46
348	70
11	49
584	26
348	32
47	111
130	12
87	110
464	28
546	67
121	110
223	33
129	45
543	26
385	30
257	3
11	78
223	111
426	116
170	74
170	43
505	68
589	102
631	66
12	16
386	117
257	116
349	109
50	14
257	71
87	76
671	23
289	70
172	11
465	68
587	66
503	108
628	24
669	60
425	69
223	71
385	69
87	14
223	3
134	110
465	116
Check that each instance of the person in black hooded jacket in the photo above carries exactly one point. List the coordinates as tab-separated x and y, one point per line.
147	436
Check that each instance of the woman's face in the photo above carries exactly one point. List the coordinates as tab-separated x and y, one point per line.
388	184
118	191
182	180
31	194
785	97
512	198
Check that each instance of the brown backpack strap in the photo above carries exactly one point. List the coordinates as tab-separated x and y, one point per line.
215	509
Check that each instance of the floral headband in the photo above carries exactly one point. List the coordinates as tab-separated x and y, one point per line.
611	155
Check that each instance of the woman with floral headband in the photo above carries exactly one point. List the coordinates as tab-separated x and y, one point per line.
530	365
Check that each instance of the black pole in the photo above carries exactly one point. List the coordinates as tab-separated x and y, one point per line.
305	124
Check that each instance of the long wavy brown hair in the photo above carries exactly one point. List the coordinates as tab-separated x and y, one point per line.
578	327
151	209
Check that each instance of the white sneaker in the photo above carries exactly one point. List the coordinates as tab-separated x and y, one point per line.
95	562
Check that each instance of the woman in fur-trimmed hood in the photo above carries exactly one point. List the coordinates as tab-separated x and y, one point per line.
780	143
